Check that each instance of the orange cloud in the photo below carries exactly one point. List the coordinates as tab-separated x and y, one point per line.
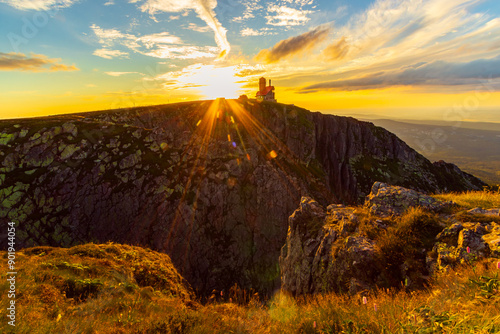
294	45
337	50
35	63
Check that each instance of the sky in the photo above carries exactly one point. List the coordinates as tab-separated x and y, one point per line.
411	59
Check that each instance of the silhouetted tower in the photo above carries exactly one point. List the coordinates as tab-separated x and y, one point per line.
265	93
262	84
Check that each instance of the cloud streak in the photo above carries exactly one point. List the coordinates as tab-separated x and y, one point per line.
294	45
160	45
204	9
39	4
110	54
438	73
337	50
35	63
117	74
287	16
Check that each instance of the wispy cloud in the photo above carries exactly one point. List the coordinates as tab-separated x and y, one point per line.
110	54
183	52
35	63
260	32
39	4
337	50
287	16
160	45
250	7
194	27
204	9
117	74
294	45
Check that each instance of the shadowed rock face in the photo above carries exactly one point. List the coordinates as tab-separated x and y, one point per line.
211	184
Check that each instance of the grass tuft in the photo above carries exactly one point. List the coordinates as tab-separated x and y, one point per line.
473	199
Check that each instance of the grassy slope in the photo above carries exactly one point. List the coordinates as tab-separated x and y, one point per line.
123	289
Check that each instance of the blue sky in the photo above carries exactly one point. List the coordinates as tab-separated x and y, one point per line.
73	55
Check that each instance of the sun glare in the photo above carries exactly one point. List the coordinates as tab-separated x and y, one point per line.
214	82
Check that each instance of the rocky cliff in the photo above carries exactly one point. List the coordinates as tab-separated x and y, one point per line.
211	183
399	237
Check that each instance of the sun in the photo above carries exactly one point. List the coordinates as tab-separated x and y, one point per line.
214	82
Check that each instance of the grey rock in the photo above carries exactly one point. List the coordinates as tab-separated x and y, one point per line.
388	200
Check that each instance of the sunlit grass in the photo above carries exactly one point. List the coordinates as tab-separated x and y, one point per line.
473	199
114	288
464	300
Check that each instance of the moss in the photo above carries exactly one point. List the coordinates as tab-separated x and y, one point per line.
68	151
369	169
6	138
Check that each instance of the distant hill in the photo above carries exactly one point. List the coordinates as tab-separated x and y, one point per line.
210	183
473	146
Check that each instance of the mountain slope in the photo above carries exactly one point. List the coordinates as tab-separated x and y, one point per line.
211	183
476	150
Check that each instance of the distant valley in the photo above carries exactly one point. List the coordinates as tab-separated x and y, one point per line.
472	146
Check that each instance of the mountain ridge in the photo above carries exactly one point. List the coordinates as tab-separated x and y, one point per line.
473	150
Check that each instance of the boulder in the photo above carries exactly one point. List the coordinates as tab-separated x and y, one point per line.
465	242
322	254
386	200
450	235
488	212
492	239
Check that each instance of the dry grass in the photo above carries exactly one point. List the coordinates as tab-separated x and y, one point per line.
115	288
107	298
473	199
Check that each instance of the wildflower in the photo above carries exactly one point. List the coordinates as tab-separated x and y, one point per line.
364	300
498	265
59	316
375	307
314	324
468	249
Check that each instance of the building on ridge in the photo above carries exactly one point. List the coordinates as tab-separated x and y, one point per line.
265	93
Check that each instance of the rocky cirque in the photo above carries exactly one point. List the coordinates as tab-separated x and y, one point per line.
211	183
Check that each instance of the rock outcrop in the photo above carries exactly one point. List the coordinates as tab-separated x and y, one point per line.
387	200
351	249
210	183
465	242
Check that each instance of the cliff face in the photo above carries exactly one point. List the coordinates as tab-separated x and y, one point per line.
210	183
355	154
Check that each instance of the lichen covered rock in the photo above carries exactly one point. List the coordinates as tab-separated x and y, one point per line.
318	256
387	199
463	242
330	250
